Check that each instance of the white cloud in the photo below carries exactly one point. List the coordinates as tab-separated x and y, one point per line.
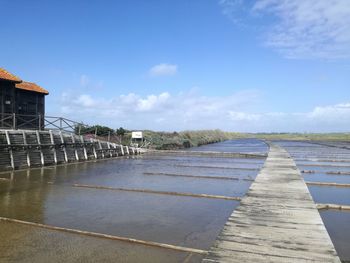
191	110
152	101
163	69
330	118
300	28
85	101
340	112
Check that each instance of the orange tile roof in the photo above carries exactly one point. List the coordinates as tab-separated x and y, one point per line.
31	87
5	75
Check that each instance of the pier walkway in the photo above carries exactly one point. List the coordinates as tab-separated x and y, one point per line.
277	220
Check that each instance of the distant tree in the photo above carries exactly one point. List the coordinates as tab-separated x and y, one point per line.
121	131
98	129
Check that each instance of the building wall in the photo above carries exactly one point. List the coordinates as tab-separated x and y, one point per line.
21	102
7	96
29	103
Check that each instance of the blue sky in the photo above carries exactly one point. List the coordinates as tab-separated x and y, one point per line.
254	65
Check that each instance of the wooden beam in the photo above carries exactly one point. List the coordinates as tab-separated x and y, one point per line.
200	176
106	236
333	207
234	198
327	184
217	167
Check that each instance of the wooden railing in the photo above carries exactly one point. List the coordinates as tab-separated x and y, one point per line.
16	121
39	122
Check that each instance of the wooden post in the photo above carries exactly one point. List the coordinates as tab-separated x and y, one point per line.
53	145
122	149
64	147
41	151
94	148
14	121
61	124
10	149
109	149
84	148
75	147
26	146
115	149
100	145
39	115
127	150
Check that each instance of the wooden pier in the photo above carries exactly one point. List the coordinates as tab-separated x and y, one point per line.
277	220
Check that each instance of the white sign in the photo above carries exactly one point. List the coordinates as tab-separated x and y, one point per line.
136	135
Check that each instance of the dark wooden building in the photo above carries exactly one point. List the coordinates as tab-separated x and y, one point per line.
22	103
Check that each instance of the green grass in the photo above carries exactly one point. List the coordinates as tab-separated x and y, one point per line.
184	139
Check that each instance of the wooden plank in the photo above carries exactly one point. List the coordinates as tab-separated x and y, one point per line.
277	221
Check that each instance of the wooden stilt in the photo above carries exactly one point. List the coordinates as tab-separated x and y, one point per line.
12	161
84	147
64	147
75	147
41	150
94	148
27	150
101	149
54	148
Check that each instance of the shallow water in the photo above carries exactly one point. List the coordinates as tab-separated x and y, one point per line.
46	196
